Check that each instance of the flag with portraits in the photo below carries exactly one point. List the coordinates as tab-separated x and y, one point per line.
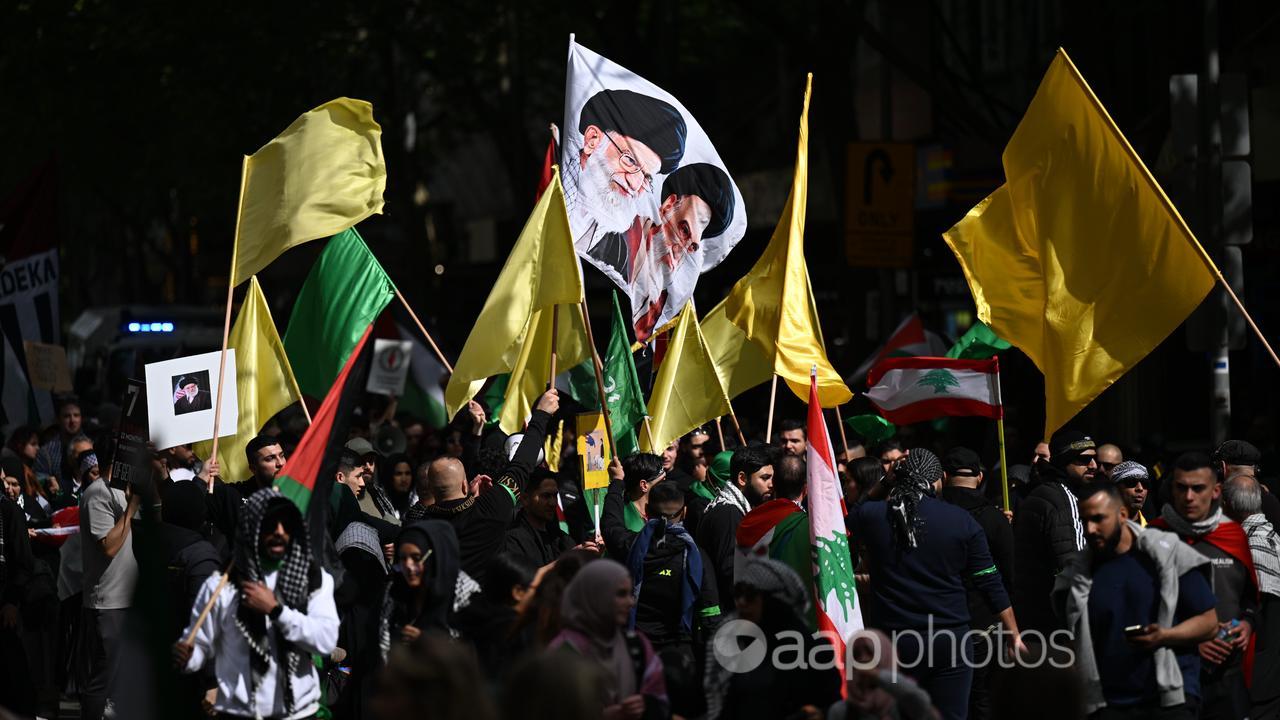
650	203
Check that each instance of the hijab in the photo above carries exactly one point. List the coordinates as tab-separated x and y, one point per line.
440	574
588	608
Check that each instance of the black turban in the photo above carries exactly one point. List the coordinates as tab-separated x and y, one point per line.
651	121
709	183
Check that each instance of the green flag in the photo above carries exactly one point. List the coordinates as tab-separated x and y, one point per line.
582	383
979	343
622	386
345	292
495	396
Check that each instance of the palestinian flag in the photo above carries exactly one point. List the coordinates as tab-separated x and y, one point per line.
833	586
779	530
424	389
308	477
911	390
910	339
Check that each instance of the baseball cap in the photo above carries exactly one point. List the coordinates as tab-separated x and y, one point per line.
362	447
961	461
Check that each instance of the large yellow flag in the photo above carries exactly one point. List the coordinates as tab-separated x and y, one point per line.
322	175
687	391
1079	259
514	330
769	323
264	382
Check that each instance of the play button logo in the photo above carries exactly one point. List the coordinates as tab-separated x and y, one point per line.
739	646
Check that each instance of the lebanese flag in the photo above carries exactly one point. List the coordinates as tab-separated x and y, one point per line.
912	390
836	601
910	339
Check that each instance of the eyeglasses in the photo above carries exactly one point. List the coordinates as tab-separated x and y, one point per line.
1108	466
1083	460
1132	482
630	165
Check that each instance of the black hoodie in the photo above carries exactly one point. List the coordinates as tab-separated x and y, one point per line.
1046	534
999	540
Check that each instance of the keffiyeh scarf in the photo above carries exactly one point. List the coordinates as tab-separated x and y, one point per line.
295	582
1264	546
912	479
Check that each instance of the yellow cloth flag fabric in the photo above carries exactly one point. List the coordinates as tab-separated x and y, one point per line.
1079	259
687	391
769	323
264	382
322	175
513	332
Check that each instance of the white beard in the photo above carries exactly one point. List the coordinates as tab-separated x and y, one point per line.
611	211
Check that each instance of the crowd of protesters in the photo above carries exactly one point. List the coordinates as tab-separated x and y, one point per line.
461	573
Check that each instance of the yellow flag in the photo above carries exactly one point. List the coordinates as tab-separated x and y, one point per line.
264	382
769	323
322	175
1079	259
513	332
687	391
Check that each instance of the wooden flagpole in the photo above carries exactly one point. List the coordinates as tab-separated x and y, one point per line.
204	614
1004	465
844	442
422	329
773	396
555	333
742	440
599	368
226	322
720	434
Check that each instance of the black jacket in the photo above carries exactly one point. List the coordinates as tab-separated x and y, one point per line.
190	560
481	522
1046	534
540	546
999	541
717	535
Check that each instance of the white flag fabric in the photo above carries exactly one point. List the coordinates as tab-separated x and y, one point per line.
914	389
650	203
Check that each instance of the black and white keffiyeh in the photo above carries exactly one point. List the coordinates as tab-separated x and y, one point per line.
1264	546
298	576
913	479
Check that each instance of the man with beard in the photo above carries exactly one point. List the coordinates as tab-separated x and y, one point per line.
1195	514
750	485
1046	528
1137	602
698	202
627	138
266	624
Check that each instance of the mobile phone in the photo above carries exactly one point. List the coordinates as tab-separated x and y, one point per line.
1134	630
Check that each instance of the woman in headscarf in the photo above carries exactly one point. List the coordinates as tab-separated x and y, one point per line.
427	564
771	595
364	606
595	609
921	551
397	480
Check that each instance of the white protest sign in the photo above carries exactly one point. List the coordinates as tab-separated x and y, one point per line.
390	366
181	394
